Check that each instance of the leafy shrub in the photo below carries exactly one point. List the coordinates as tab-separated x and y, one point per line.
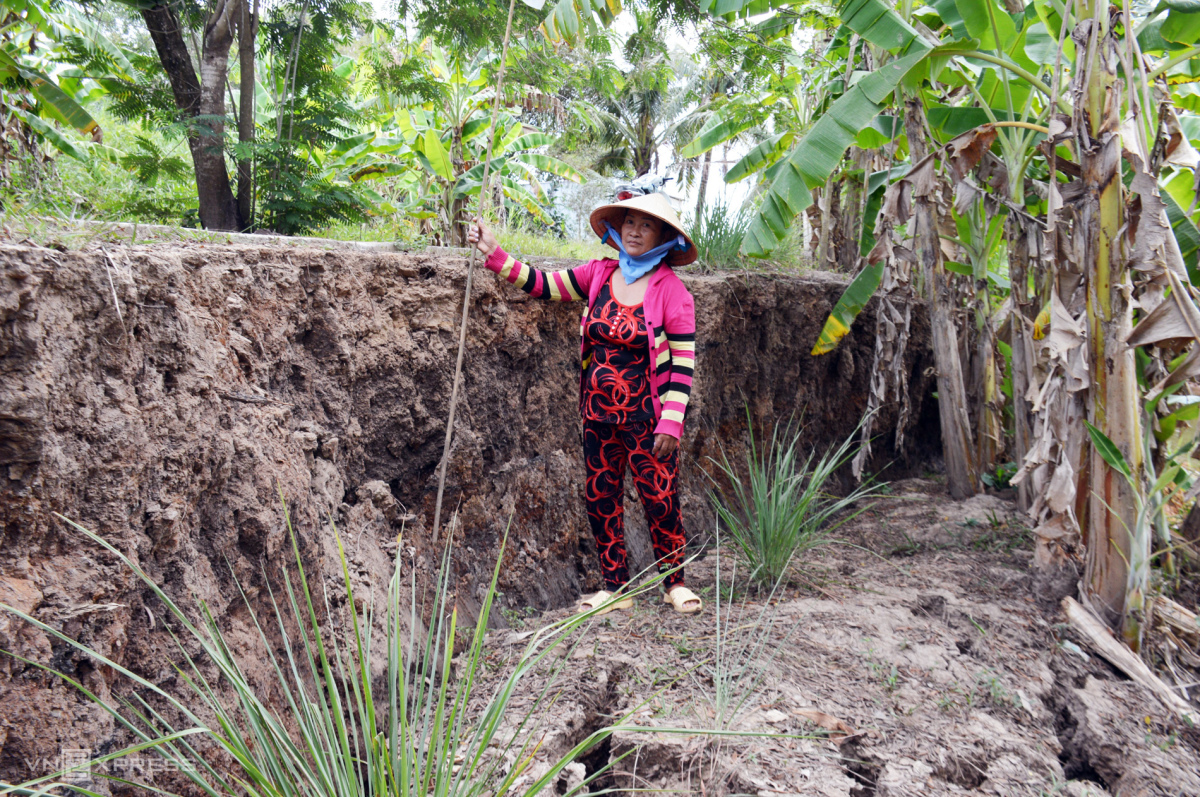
782	507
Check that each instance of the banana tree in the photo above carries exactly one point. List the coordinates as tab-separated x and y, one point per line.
28	93
1101	243
448	139
451	161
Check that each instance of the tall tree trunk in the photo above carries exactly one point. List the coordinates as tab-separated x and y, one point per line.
247	33
1021	326
1114	550
203	96
957	446
703	185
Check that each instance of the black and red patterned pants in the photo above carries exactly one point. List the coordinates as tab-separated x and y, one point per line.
606	449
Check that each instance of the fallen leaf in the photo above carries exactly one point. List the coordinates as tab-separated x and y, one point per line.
838	730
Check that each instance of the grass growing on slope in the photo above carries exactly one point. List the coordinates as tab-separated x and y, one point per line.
783	506
343	730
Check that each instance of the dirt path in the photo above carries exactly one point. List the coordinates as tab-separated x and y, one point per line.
924	641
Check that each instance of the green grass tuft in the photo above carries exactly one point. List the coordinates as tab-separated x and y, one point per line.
783	507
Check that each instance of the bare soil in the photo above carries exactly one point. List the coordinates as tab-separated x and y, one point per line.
918	636
165	396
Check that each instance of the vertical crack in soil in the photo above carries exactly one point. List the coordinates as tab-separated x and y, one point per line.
598	759
1076	757
593	761
863	768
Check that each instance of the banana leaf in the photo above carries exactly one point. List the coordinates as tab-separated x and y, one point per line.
951	122
876	184
435	153
568	18
56	102
546	163
717	131
761	156
529	141
883	128
818	154
1108	450
1187	235
877	22
63	144
1182	25
851	303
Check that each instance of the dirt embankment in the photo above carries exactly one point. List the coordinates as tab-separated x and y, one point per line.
166	396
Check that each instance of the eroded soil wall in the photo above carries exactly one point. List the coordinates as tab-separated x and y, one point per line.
167	396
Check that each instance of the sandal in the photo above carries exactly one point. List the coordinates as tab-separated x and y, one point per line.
606	601
680	597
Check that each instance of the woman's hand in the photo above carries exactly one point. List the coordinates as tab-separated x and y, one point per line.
482	237
664	446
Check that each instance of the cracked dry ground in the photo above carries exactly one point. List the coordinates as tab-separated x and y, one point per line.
922	636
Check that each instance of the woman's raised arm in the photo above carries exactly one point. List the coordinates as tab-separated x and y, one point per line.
567	285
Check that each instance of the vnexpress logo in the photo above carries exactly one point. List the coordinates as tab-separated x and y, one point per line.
76	765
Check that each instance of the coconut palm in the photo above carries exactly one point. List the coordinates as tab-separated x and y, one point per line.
633	116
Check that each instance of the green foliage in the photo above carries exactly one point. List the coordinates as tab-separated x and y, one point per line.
300	198
783	505
149	162
848	306
470	25
1109	451
634	113
717	234
105	184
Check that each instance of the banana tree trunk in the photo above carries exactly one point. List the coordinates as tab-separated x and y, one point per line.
1113	543
1021	325
825	203
957	446
852	205
457	234
989	439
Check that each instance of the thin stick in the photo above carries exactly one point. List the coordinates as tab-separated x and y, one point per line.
462	331
116	301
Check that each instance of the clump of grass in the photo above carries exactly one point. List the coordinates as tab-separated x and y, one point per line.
782	506
718	233
338	728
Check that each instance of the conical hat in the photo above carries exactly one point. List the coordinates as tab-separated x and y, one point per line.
655	205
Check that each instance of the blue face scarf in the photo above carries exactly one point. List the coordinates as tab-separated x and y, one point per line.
634	268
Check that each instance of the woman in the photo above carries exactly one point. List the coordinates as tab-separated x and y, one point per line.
638	355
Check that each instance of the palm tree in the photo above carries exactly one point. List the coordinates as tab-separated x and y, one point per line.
643	108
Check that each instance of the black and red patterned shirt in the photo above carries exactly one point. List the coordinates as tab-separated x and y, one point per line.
616	384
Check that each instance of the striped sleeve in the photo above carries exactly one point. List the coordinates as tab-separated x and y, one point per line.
680	328
558	286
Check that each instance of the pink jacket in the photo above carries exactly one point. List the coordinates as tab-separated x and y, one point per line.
670	320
